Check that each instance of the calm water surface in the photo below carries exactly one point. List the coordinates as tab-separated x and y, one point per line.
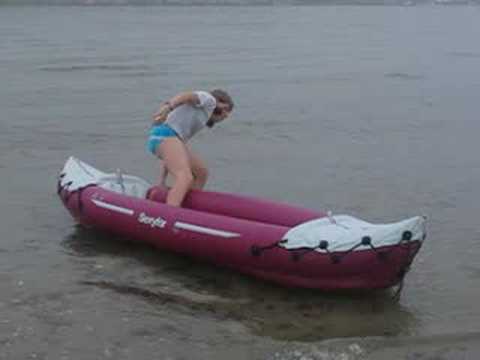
371	111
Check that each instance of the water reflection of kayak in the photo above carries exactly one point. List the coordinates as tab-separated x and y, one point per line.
286	244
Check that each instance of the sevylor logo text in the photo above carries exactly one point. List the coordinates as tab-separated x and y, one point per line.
153	222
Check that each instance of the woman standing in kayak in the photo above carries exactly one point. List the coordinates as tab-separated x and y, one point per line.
177	121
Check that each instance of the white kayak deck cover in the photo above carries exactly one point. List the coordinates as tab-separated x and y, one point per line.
77	175
343	232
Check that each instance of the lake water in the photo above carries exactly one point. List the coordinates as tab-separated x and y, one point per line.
365	110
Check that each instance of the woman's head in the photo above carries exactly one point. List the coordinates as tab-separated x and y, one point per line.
224	106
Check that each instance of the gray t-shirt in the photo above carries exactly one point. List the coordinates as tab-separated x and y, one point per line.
186	120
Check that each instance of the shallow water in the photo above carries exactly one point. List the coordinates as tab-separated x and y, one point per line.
370	111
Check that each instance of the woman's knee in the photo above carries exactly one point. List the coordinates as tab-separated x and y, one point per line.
201	173
185	176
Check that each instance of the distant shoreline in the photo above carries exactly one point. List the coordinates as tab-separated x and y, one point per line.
181	3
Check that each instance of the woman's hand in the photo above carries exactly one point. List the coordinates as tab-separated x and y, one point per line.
161	115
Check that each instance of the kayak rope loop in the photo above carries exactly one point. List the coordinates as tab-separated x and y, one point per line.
65	198
256	250
407	243
398	292
61	188
59	184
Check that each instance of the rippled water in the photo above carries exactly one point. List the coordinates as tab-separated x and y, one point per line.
371	111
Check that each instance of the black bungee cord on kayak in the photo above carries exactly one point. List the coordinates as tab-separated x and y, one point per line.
298	254
405	242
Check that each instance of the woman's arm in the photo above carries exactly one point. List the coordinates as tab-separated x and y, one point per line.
188	97
166	107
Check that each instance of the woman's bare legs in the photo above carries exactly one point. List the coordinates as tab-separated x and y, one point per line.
199	170
163	174
198	167
177	161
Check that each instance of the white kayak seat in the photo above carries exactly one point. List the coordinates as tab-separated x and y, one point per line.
344	232
124	184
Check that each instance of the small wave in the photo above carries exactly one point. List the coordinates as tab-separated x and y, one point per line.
339	78
443	346
95	67
404	76
345	351
472	272
138	74
464	54
202	303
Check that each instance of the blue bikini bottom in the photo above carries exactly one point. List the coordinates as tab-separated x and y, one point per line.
156	135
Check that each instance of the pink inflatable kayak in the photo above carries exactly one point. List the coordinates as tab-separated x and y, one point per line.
285	244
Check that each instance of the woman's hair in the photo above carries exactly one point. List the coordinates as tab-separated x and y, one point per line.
222	96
